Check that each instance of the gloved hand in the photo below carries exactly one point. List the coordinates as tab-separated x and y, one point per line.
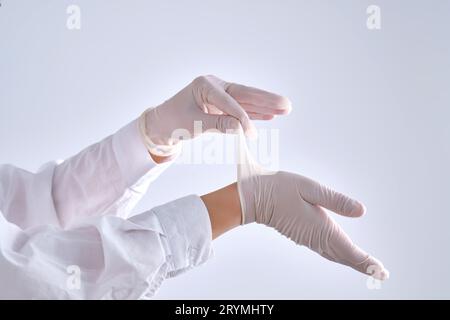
217	104
294	206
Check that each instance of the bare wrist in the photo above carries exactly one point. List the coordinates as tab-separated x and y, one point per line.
224	209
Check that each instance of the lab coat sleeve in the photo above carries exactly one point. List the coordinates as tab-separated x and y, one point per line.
109	177
107	257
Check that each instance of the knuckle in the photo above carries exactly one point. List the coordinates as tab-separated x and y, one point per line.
233	124
205	79
201	80
225	124
228	87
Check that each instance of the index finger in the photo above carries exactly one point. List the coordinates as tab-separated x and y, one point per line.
258	97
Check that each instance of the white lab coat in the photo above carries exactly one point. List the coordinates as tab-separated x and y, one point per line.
65	232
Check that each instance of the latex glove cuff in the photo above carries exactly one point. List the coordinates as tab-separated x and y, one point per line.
153	148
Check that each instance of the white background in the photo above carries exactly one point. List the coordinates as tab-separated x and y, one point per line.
371	119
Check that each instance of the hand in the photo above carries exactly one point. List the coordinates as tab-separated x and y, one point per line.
217	104
294	205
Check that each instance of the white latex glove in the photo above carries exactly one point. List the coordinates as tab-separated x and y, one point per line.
294	206
217	104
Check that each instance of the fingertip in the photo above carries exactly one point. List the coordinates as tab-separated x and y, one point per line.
288	106
358	209
284	107
385	274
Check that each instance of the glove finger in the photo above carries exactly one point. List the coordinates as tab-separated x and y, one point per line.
259	116
340	248
258	97
318	194
264	110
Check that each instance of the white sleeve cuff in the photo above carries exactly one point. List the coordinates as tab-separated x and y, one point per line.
187	227
132	156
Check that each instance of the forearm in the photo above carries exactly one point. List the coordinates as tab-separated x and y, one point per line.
97	180
224	209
